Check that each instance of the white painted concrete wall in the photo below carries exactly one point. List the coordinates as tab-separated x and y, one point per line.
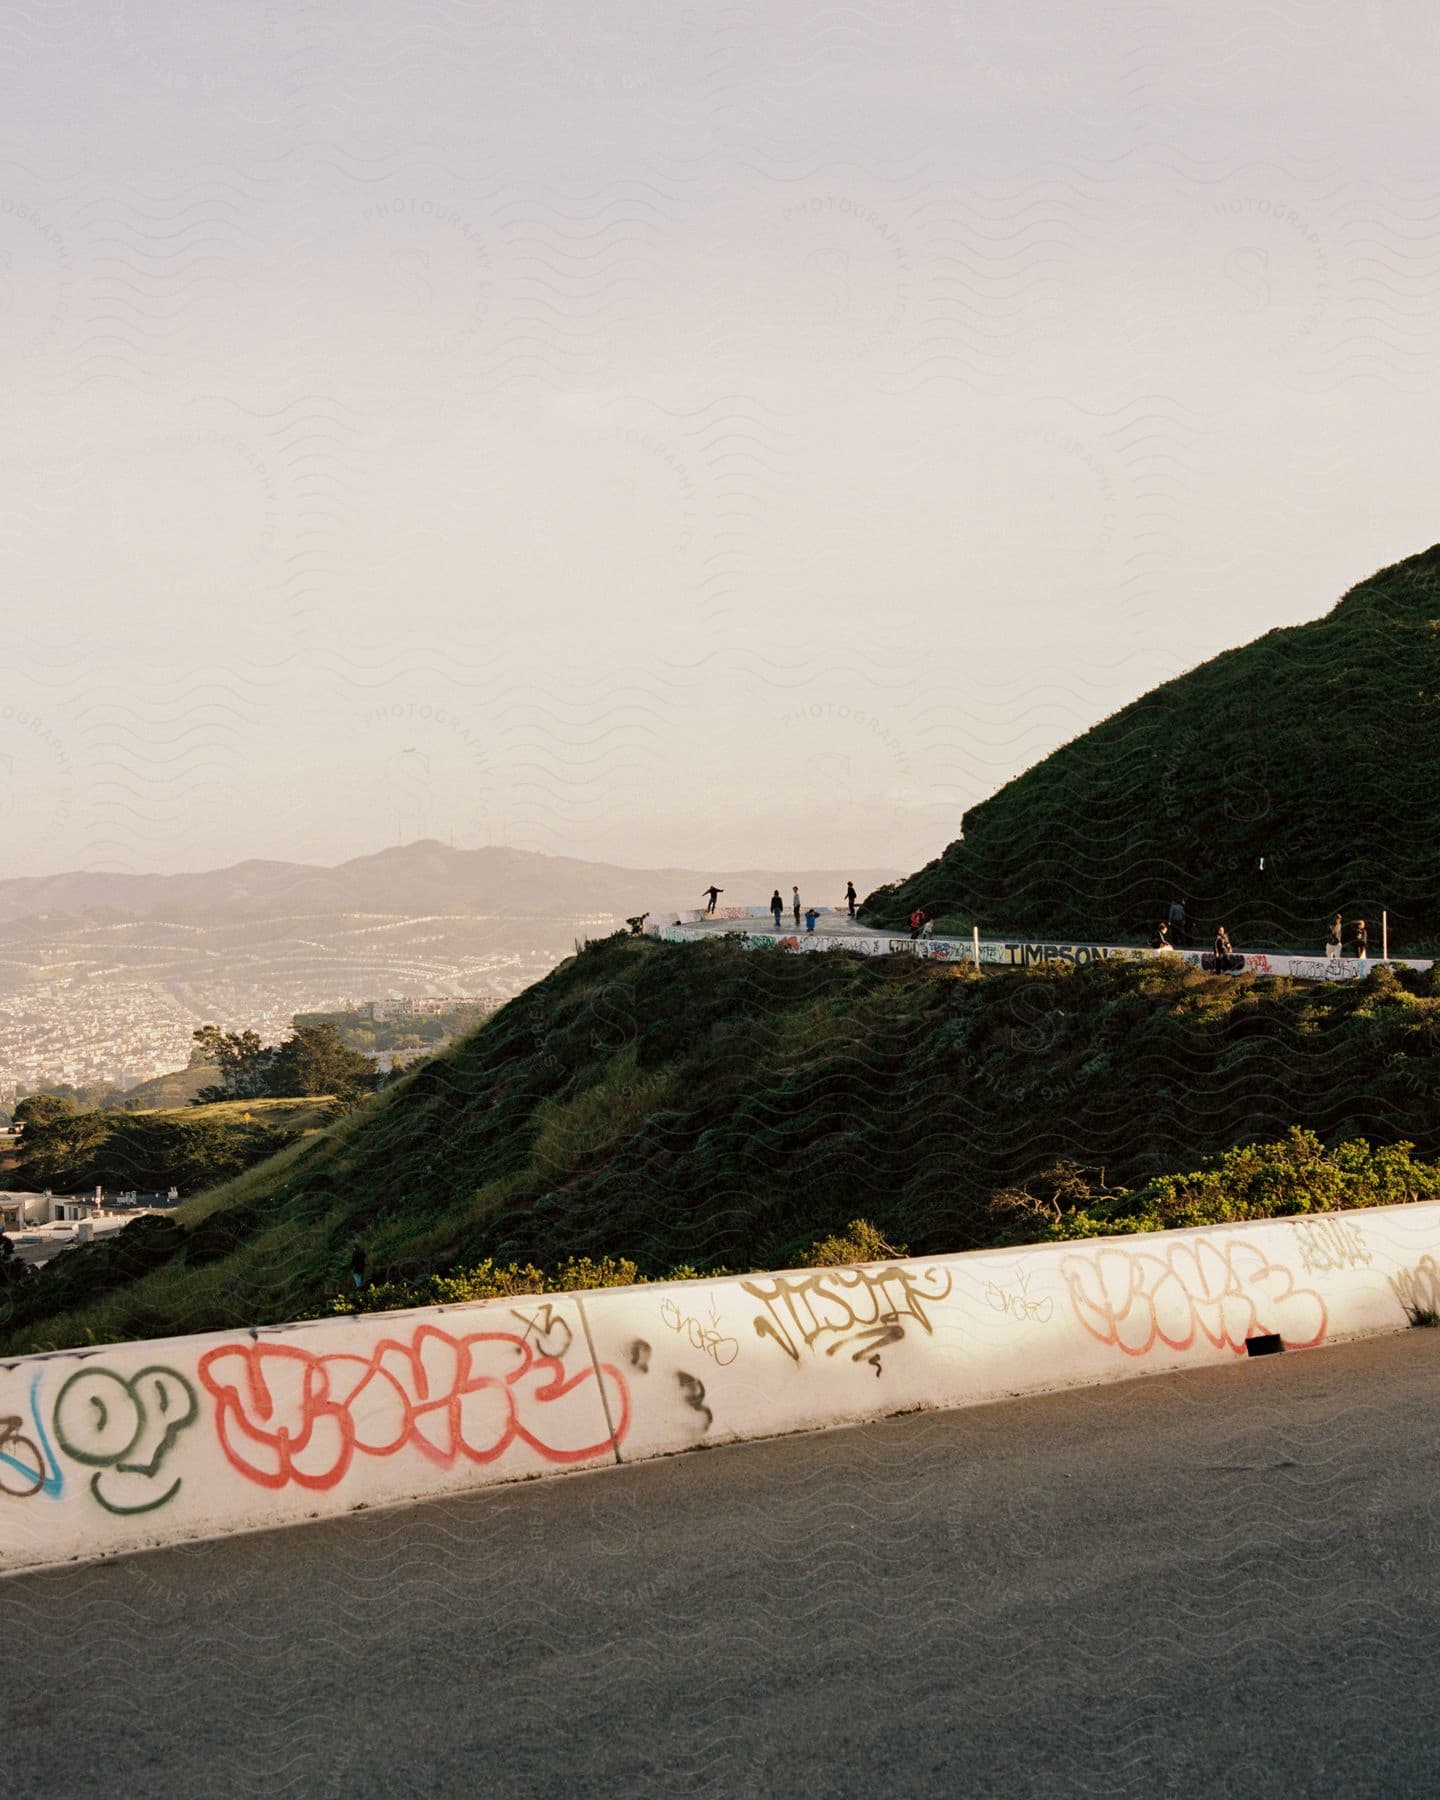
114	1449
1011	952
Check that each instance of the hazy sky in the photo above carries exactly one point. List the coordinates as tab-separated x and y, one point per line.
673	433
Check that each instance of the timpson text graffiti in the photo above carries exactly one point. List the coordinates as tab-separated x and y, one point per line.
284	1414
1215	1293
1022	955
861	1310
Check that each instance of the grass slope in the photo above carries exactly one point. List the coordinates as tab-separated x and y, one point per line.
700	1105
1316	747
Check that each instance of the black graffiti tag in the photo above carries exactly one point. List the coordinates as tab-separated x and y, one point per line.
693	1391
124	1429
551	1335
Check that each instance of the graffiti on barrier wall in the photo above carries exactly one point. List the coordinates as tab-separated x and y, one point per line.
1022	955
692	1389
547	1328
1418	1289
1329	1243
123	1428
1220	1291
27	1464
285	1414
707	1338
862	1310
1016	1300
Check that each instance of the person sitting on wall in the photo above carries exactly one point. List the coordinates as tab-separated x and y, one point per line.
1160	937
1225	956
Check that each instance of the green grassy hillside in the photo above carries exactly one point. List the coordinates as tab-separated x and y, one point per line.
697	1105
190	1147
1316	748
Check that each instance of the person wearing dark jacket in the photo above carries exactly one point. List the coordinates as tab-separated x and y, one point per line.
358	1264
714	894
850	897
1223	951
1160	937
777	906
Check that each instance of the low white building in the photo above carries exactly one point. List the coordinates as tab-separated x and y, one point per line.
24	1209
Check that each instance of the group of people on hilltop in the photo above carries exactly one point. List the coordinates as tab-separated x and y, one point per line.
811	913
1174	933
1359	938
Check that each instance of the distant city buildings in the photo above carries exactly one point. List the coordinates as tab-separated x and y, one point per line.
428	1006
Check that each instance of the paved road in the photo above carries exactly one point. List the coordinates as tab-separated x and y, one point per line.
1221	1582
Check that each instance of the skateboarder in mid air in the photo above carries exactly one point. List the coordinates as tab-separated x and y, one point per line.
714	894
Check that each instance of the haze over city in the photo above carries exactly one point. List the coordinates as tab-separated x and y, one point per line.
664	438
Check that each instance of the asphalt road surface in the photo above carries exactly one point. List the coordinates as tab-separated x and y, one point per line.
1220	1582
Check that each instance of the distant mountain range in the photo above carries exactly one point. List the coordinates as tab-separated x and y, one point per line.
425	877
103	977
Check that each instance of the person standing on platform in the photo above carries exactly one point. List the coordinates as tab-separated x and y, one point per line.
796	903
850	897
777	907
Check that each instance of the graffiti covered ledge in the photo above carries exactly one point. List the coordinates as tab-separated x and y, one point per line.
135	1445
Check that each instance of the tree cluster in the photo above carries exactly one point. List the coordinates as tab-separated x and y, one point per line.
312	1060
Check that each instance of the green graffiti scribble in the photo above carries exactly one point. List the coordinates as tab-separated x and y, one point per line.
122	1426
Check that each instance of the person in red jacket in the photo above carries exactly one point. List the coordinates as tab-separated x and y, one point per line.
917	921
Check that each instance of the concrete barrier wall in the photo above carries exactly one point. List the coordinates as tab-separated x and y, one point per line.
119	1448
708	1362
1021	953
